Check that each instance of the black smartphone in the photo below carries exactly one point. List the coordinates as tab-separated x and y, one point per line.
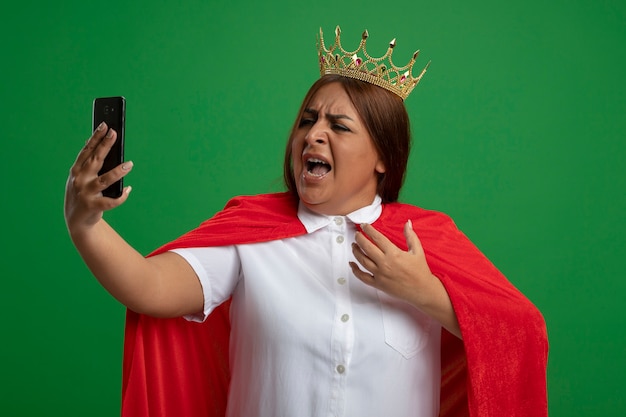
112	111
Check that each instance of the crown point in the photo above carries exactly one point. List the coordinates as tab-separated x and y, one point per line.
365	35
415	54
392	43
337	30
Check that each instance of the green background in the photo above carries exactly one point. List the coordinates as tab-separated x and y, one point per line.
519	135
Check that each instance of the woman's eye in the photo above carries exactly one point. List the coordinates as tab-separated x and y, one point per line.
341	127
306	122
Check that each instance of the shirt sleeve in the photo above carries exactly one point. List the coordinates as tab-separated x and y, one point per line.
218	269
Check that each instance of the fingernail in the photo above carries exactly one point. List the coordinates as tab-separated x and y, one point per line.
127	165
100	126
109	134
410	223
129	189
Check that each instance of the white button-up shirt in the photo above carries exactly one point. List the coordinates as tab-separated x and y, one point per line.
308	338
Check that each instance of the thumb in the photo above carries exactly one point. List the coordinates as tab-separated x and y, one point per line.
412	241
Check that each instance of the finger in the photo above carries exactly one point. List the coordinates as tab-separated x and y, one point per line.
378	238
108	203
362	275
367	246
363	259
412	240
91	144
103	181
96	159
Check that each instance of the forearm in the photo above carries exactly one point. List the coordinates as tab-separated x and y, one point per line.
434	301
119	268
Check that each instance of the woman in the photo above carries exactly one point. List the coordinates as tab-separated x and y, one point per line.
335	306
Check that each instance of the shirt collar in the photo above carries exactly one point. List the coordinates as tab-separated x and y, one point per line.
313	221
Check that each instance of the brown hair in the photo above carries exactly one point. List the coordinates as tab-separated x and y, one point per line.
387	122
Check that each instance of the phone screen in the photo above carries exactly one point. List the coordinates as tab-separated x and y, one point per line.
112	111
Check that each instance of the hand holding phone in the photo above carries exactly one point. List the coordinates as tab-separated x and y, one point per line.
112	111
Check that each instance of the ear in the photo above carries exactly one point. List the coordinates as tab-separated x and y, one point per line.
380	167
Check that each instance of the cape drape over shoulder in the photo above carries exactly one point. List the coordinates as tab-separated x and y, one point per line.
175	367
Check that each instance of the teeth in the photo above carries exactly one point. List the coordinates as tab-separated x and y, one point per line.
317	167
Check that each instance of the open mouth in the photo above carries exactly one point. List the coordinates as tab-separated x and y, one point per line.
317	167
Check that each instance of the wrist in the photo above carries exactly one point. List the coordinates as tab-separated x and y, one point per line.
83	231
427	296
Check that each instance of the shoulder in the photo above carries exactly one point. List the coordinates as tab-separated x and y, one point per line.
283	199
434	228
401	212
255	209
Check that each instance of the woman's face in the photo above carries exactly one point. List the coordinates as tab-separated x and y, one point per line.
335	163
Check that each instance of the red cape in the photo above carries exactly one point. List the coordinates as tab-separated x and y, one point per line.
175	367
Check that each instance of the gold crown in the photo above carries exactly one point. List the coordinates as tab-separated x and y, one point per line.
378	71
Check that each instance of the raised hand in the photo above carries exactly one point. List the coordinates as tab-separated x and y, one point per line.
402	274
84	202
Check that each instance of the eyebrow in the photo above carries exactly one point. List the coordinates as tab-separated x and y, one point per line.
329	115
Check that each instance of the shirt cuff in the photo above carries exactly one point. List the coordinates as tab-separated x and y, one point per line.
196	265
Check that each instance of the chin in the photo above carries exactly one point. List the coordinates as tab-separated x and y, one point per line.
310	200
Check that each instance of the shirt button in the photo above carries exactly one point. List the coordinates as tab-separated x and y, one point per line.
341	281
338	221
341	369
339	239
345	318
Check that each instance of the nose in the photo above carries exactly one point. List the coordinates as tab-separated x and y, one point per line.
317	134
